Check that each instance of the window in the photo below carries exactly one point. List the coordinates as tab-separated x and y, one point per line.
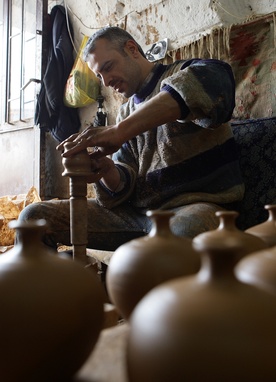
2	78
19	63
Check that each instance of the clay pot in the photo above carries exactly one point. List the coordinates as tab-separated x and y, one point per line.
259	269
51	310
206	327
140	264
76	165
267	230
227	230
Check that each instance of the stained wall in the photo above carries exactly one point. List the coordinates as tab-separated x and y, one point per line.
181	21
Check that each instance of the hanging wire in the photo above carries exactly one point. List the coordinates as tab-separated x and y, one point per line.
247	18
67	8
117	20
68	26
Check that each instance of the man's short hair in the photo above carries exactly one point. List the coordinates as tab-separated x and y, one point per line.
117	36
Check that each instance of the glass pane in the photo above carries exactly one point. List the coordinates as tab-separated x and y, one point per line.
15	67
29	93
29	59
14	110
29	47
15	61
16	17
28	110
2	77
30	18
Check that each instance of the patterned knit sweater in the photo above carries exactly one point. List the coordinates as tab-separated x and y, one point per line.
185	161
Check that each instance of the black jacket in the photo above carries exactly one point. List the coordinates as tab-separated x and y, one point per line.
51	114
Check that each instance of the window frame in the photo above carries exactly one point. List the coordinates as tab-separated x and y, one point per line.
6	124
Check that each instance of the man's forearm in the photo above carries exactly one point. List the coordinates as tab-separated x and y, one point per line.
160	109
112	179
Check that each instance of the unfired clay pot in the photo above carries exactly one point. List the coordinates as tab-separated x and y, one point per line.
206	327
76	165
227	230
51	310
259	269
267	230
139	265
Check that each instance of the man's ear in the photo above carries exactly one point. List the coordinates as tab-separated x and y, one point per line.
132	48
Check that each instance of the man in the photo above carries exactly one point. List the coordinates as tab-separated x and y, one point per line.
172	143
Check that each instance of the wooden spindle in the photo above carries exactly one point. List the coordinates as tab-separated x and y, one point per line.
78	168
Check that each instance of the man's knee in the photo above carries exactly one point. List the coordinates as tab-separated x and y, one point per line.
191	220
30	212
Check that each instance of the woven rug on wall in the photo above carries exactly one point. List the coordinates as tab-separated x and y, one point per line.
250	48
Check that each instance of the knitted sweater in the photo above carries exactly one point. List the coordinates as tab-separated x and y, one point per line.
185	161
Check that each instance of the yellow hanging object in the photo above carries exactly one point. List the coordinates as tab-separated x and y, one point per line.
82	87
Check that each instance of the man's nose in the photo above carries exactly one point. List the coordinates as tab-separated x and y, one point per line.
106	79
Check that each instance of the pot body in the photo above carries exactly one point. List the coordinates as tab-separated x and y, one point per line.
227	231
259	269
266	230
52	311
188	330
141	264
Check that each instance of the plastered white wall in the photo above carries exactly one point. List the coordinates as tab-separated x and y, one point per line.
181	21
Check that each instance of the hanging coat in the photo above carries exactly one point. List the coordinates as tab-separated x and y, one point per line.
51	114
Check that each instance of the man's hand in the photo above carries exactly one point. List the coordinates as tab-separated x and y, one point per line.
105	141
102	168
70	139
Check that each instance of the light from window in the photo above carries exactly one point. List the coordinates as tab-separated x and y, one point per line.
18	67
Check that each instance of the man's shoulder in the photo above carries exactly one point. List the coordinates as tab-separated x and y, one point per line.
174	67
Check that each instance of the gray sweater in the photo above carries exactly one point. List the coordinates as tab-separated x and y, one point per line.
189	160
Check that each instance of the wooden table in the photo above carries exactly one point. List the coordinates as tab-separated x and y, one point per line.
107	361
102	256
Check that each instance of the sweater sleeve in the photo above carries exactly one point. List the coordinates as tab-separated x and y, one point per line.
206	88
128	173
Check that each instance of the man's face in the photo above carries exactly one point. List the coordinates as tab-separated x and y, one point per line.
120	71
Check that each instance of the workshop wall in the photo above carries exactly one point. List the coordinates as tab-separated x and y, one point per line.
180	21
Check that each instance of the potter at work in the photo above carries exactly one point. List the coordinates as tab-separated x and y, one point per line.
172	147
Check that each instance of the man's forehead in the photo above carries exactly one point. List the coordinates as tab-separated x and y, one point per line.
102	44
96	62
102	48
101	54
